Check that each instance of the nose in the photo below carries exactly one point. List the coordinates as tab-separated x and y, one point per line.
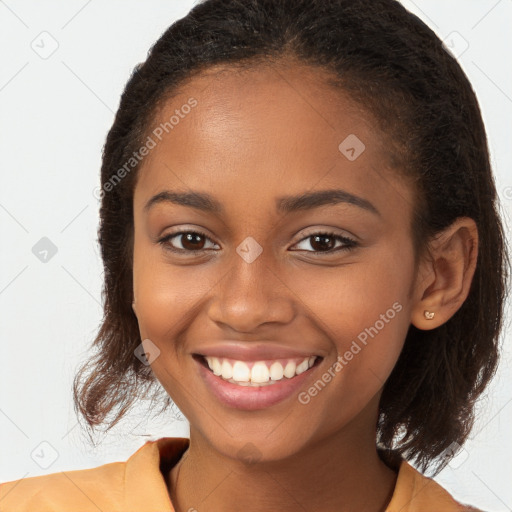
250	295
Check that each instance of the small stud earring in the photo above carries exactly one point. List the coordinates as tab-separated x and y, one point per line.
428	315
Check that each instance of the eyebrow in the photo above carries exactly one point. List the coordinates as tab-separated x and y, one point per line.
284	204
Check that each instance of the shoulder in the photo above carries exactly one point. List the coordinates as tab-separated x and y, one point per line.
415	492
83	490
136	484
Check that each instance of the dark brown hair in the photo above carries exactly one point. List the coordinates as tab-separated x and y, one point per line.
390	62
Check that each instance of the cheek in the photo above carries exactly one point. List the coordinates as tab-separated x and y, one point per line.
168	296
371	353
364	309
167	300
344	301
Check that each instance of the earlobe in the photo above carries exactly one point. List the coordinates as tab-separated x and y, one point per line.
450	270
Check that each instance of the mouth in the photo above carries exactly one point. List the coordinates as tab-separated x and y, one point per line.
257	373
252	385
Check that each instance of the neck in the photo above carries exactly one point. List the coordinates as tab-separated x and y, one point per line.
333	474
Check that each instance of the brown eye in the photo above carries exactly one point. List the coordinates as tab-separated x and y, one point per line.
195	241
191	241
322	242
326	242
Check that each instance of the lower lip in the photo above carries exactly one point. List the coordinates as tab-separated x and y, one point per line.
251	398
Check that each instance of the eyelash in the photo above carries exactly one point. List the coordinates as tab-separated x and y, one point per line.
350	244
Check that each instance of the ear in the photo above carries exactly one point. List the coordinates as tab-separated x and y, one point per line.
133	307
444	279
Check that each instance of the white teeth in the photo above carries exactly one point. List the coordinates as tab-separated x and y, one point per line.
227	370
302	367
289	370
241	372
260	373
216	366
276	371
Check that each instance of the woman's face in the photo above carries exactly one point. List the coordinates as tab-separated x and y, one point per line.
254	142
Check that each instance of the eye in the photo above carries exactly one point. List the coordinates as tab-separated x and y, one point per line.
190	241
324	242
321	242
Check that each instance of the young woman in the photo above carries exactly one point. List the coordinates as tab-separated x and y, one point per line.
302	248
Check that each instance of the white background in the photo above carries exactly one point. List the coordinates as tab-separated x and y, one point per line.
55	114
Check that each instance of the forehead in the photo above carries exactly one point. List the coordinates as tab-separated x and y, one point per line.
257	132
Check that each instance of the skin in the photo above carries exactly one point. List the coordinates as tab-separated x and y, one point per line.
255	136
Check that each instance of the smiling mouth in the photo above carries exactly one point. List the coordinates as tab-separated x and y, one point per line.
257	373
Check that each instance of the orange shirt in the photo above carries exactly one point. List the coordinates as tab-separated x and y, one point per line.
138	485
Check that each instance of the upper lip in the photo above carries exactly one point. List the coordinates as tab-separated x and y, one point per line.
254	351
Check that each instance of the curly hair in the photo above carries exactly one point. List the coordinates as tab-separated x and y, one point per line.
397	69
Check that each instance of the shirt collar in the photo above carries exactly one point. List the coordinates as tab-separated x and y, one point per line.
146	468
